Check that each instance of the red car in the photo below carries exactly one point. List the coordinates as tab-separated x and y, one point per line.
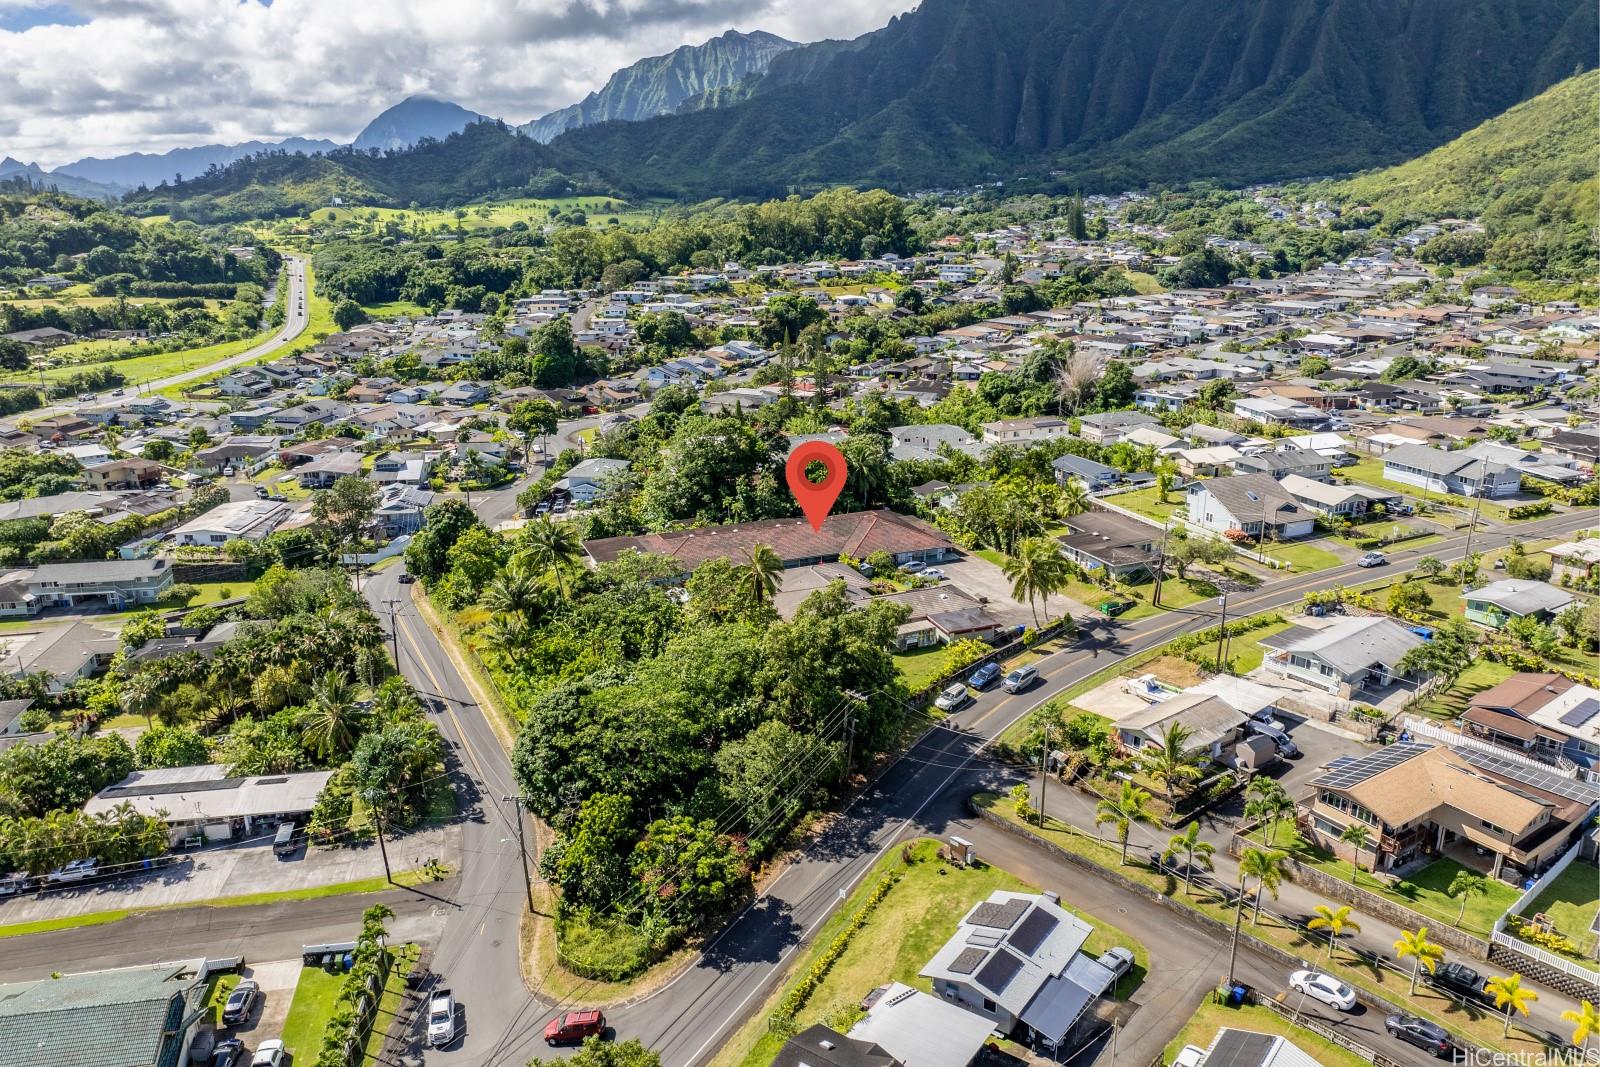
574	1026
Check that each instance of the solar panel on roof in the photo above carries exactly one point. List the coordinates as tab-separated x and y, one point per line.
1545	781
999	971
968	961
1581	714
1343	774
999	916
1034	929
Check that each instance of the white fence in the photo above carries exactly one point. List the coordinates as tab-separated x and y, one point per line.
1433	732
1549	959
1511	941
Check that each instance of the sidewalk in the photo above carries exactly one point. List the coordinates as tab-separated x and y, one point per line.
1295	902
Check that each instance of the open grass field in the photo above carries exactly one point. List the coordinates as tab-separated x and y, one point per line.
1572	903
1144	284
901	934
394	309
1302	557
1202	1027
140	369
535	211
316	995
920	666
1148	502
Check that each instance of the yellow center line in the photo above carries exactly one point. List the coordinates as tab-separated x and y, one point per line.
449	707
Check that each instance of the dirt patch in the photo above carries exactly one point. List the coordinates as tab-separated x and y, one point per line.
1174	671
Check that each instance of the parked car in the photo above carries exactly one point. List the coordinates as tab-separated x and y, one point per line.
1117	960
87	398
1324	987
1286	746
1264	718
573	1027
261	492
241	1003
229	1053
984	676
11	884
441	1018
1420	1032
1372	559
227	472
1190	1056
405	578
916	566
1019	679
952	698
76	871
1461	980
270	1054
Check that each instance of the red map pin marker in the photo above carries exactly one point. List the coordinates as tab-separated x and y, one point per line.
816	498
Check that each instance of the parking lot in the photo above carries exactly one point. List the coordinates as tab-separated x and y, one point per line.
229	871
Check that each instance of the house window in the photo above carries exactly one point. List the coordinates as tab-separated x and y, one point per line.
988	1005
1491	827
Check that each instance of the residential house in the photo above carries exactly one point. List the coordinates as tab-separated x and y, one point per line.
1211	722
1276	410
925	441
403	468
1109	427
116	474
326	469
1254	503
1345	658
135	1016
400	509
1421	802
1246	1048
1092	474
64	654
1497	603
857	534
488	449
236	520
1207	462
324	412
1551	468
1025	431
1577	561
203	801
1455	473
1581	446
1345	501
1280	465
939	615
587	481
116	584
1017	960
1115	544
1546	716
303	452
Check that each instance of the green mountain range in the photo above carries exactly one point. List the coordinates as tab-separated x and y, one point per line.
660	85
1110	95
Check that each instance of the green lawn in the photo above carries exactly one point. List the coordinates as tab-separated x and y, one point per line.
316	995
530	210
1148	502
919	667
1571	902
1426	891
136	370
393	309
901	934
1475	679
1301	556
1202	1027
1245	651
218	989
394	994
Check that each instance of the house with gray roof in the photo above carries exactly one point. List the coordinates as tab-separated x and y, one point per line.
1457	473
1280	465
114	583
1255	503
1498	603
1018	959
925	441
128	1017
1109	427
1346	501
1348	656
1092	474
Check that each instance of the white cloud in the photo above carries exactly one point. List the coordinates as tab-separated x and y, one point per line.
150	75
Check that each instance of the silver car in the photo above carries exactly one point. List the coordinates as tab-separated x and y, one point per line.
952	698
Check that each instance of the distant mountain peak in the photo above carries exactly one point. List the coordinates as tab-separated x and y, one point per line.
412	119
659	85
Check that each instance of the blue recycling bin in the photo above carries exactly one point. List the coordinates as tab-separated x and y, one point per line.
1236	996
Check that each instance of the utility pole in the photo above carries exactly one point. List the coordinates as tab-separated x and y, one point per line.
1477	507
1044	773
1161	564
522	846
850	731
1222	628
377	817
394	630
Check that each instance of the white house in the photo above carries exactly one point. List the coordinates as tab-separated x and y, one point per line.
1254	503
236	520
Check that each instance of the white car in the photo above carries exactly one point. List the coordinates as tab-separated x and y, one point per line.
441	1018
1264	718
1190	1056
76	871
1117	960
952	698
270	1054
935	573
1323	987
1372	559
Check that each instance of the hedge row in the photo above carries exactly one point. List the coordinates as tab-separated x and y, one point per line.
796	998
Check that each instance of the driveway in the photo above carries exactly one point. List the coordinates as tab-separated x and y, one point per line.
235	870
982	579
277	981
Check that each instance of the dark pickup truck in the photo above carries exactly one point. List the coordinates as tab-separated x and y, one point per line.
1461	980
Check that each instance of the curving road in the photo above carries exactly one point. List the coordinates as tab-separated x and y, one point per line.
473	920
295	319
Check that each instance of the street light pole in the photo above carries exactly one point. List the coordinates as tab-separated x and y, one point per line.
394	630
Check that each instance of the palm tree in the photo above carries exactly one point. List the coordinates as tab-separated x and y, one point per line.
1168	762
1334	920
139	695
1193	850
1418	947
1036	570
1586	1022
333	721
1509	994
513	593
1268	868
1356	835
1464	885
1073	499
1130	805
550	546
1268	804
471	469
762	574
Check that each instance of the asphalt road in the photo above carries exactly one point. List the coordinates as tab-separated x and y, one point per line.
477	914
294	324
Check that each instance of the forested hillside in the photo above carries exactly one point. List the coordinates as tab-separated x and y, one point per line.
1111	96
1529	174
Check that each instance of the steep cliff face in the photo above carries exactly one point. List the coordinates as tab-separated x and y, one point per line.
1111	93
660	85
